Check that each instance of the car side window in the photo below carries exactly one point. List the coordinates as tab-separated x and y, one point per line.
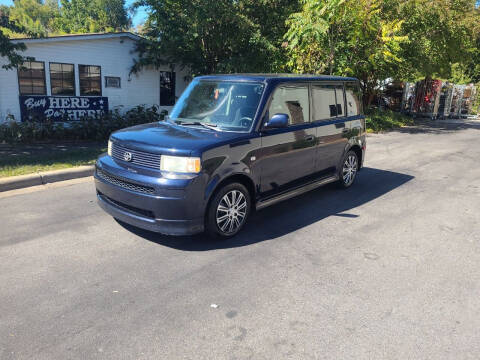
293	101
354	99
340	100
324	102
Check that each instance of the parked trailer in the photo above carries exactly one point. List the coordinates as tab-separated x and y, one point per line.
427	98
438	99
468	99
445	102
457	99
408	97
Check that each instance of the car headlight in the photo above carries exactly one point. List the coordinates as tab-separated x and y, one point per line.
109	149
180	164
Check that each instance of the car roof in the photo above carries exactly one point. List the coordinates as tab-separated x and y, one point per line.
275	77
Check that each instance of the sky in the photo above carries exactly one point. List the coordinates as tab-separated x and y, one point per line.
137	19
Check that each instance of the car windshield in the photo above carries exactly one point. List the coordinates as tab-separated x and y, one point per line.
220	105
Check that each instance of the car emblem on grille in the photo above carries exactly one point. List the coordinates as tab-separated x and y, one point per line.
127	156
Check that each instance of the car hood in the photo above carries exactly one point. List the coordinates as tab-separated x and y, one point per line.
167	138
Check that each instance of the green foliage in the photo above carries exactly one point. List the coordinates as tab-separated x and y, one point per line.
211	36
88	129
472	68
372	40
378	39
48	17
8	49
349	38
34	16
441	34
383	120
28	159
84	16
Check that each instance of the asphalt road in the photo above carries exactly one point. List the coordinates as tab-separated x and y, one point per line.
388	269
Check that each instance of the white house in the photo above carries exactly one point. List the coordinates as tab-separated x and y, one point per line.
78	75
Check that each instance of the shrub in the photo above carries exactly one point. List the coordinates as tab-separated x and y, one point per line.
93	129
381	120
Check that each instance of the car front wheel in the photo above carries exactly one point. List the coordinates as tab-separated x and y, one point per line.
228	211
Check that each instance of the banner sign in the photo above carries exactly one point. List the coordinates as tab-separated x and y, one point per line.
62	108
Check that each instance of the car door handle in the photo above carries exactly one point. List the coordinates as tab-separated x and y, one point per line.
309	138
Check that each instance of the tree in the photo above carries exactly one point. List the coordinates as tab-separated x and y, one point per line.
34	16
441	34
83	16
379	39
270	16
471	68
8	49
350	38
211	36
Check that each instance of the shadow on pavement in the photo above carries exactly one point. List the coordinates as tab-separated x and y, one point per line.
439	126
291	215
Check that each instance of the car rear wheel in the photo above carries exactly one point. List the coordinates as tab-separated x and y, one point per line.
228	211
349	169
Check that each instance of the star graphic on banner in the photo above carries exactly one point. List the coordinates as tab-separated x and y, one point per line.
101	102
94	103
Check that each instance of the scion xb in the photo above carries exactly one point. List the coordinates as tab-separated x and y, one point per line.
231	145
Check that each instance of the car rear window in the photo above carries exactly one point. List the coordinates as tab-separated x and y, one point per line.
354	99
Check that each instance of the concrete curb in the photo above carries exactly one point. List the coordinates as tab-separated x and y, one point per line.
41	178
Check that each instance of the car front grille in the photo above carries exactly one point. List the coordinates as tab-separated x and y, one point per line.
140	158
125	184
128	208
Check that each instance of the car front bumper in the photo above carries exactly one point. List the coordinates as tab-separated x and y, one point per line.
170	207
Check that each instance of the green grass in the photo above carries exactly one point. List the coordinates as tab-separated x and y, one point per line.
22	162
385	120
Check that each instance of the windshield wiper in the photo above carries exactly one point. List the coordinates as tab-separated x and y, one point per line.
198	123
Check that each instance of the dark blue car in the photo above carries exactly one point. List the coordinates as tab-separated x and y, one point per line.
233	144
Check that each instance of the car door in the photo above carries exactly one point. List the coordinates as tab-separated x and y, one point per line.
328	111
287	155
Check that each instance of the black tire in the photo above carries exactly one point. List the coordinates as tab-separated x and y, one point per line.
348	170
223	229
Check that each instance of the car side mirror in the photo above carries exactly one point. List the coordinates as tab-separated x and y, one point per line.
277	121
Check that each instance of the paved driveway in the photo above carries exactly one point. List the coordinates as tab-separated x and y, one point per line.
389	269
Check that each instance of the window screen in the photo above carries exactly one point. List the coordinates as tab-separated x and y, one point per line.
62	79
324	103
167	88
293	101
354	99
31	78
90	80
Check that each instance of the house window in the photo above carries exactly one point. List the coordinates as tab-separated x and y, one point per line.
167	88
112	82
31	78
90	80
62	79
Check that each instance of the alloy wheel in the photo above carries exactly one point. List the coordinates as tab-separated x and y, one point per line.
231	211
350	167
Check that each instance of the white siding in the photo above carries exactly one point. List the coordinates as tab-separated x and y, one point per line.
114	55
